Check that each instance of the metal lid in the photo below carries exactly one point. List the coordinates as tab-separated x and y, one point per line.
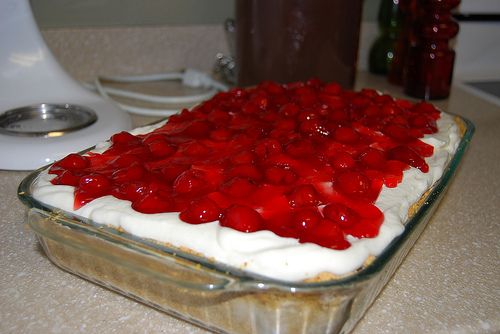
46	119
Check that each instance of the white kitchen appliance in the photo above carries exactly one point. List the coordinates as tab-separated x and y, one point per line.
44	113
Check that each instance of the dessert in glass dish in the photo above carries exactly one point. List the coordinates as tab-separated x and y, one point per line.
254	204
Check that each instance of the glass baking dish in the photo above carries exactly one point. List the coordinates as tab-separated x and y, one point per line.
215	296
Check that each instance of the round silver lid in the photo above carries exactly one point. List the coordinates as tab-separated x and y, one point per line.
46	119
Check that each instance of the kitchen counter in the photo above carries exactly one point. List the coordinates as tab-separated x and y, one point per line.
450	281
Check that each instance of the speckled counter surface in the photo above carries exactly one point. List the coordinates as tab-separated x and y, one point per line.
449	283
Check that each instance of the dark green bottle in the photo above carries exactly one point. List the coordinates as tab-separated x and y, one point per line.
382	50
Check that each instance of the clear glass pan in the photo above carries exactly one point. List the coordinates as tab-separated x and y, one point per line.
215	296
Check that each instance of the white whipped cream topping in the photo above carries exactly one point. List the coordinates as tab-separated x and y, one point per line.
264	252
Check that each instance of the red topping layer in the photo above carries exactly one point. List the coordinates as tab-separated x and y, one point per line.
304	160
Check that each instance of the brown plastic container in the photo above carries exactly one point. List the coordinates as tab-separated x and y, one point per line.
291	40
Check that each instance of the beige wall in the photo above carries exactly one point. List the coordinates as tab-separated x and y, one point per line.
95	13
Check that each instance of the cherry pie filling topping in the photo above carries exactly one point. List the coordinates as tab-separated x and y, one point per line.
305	160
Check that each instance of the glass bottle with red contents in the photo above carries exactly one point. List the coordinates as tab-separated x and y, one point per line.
407	13
429	64
382	51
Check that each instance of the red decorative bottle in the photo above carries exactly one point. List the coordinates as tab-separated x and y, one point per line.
429	64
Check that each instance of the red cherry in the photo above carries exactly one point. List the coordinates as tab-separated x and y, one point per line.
408	156
130	191
241	218
282	161
333	102
287	124
221	134
95	185
197	129
261	100
161	148
370	93
372	110
314	127
306	219
342	160
82	198
124	139
303	195
244	157
250	108
270	116
400	120
153	136
425	123
373	158
353	183
267	147
172	171
326	234
390	109
397	132
153	203
360	101
289	109
190	181
272	87
340	214
125	160
183	116
300	148
194	149
314	82
305	96
308	115
141	152
246	171
421	148
55	169
71	162
332	89
426	108
393	173
280	175
339	116
383	99
200	211
218	116
280	100
256	132
346	135
402	103
128	174
370	219
66	178
159	188
238	187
